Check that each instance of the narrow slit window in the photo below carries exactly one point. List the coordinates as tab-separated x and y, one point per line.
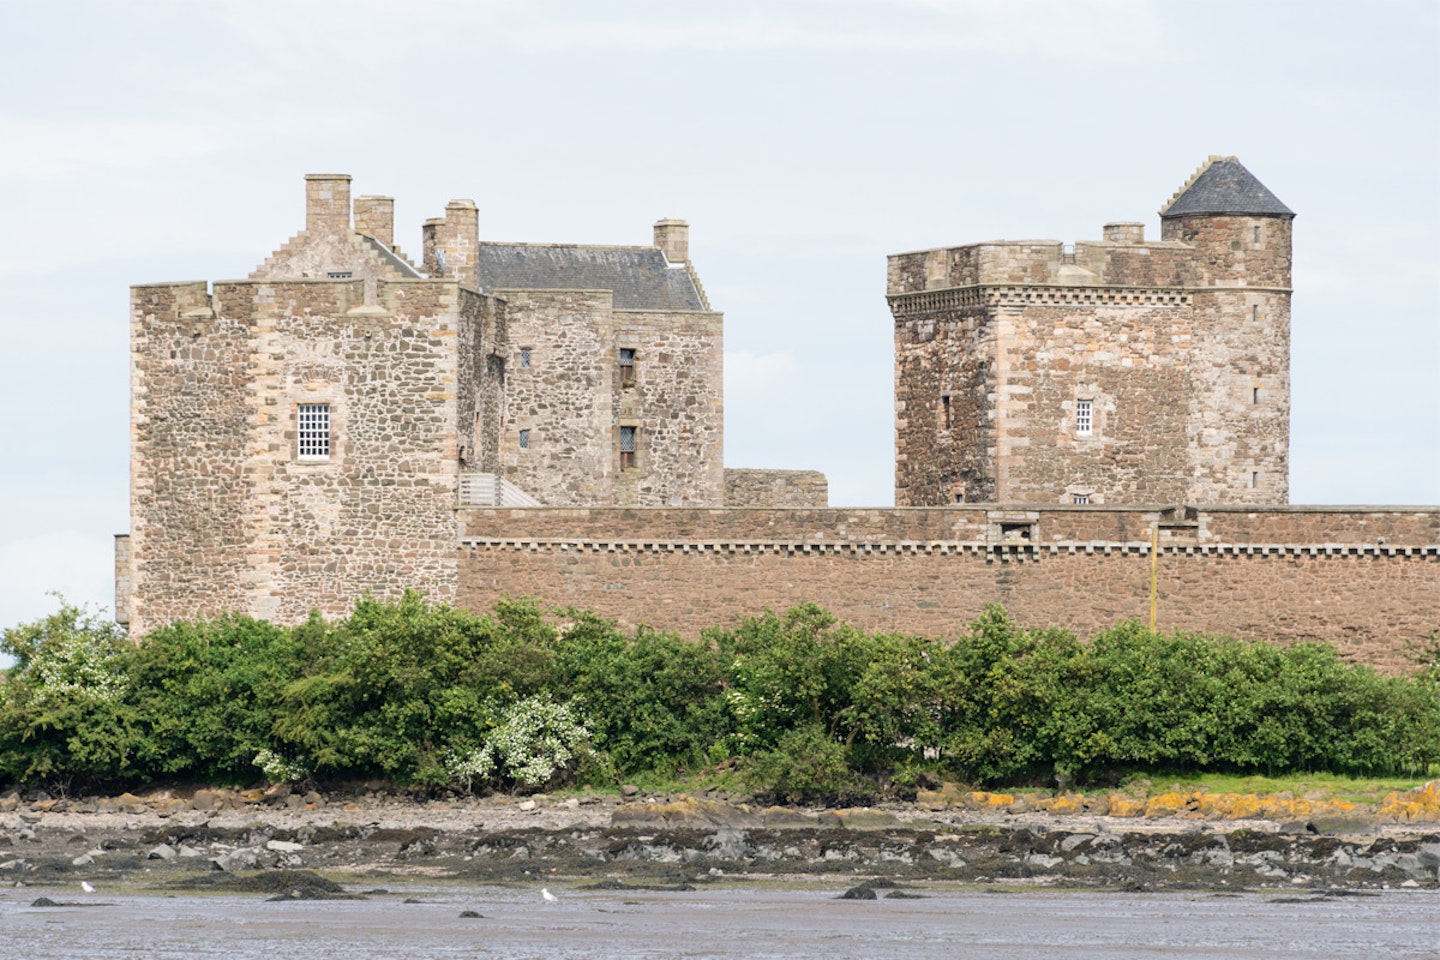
1254	394
627	364
1254	480
945	410
1255	311
524	358
627	448
1084	417
524	439
1257	234
314	432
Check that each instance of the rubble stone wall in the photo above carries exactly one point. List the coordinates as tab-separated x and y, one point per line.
776	488
225	515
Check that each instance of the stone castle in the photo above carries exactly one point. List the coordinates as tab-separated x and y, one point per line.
547	420
1114	371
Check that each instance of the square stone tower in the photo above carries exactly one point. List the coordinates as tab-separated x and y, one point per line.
1110	371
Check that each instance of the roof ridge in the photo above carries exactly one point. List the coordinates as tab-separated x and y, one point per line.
1210	161
592	246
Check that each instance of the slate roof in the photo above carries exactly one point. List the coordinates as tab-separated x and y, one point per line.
639	278
1223	185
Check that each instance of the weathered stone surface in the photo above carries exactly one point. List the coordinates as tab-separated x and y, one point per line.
1180	348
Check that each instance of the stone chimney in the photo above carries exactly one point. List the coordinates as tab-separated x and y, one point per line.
673	237
327	203
375	217
1125	232
460	236
431	251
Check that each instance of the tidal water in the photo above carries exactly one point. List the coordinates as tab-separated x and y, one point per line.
748	921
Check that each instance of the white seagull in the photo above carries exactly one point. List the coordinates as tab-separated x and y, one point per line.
87	886
548	897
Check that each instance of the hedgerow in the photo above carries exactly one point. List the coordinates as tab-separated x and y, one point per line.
803	706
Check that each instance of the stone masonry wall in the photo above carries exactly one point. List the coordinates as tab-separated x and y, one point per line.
1259	574
676	403
225	516
189	402
562	397
776	488
573	402
1181	345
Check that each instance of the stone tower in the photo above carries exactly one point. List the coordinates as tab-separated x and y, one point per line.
1110	371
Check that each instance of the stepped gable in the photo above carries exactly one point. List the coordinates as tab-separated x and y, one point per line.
1223	185
640	278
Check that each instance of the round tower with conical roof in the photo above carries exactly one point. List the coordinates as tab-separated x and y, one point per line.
1240	274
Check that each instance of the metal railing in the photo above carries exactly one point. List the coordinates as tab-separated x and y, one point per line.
492	490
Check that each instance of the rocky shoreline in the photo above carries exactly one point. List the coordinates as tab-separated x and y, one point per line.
285	842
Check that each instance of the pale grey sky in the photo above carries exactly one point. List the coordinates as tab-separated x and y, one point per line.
803	139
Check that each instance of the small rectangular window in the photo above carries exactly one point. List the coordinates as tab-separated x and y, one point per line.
1255	311
627	364
340	274
524	439
314	433
945	410
1257	234
1080	499
1254	394
959	496
627	448
1254	480
524	358
1084	417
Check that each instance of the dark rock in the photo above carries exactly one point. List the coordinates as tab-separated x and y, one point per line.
863	892
45	902
471	915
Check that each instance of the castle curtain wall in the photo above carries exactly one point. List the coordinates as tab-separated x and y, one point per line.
1367	580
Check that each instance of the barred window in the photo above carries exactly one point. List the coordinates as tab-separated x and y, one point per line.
627	447
627	364
1084	417
524	358
524	439
314	431
1080	499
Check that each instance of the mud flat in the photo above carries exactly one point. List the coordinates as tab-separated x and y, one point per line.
214	840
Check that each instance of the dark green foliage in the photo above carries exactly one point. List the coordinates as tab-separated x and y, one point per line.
813	709
806	765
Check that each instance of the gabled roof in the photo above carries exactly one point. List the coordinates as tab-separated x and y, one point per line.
1223	185
639	278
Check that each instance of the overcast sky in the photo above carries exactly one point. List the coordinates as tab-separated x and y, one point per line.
804	140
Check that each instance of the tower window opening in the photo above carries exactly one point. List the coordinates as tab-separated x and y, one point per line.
945	410
525	358
524	439
1080	499
1254	479
1255	311
1084	417
627	364
1257	234
314	433
627	448
1254	394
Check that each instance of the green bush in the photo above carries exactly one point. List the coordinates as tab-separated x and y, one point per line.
63	709
816	710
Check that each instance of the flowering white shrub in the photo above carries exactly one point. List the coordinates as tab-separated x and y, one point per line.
280	769
71	655
535	740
